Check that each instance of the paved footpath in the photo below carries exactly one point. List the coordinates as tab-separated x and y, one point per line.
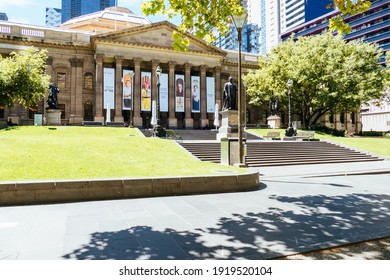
293	211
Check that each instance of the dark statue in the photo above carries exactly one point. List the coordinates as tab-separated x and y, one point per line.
273	105
229	95
52	100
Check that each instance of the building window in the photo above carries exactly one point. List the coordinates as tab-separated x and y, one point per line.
88	81
331	118
353	118
342	118
61	81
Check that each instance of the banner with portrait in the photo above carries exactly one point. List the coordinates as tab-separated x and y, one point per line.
210	93
164	92
109	88
146	91
195	94
179	93
127	90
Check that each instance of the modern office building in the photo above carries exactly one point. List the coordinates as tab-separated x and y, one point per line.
92	59
250	33
3	16
373	26
296	12
76	8
277	16
53	17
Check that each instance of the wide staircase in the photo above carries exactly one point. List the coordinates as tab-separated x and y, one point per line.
278	153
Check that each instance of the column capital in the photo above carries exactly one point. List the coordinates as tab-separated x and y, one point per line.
218	69
203	67
119	59
155	62
137	61
187	66
99	57
172	64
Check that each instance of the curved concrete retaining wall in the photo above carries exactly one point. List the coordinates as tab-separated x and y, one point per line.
17	193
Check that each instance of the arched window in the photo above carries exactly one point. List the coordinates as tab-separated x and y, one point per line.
88	111
88	81
353	118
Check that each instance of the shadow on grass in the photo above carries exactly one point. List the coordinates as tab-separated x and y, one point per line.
313	222
10	128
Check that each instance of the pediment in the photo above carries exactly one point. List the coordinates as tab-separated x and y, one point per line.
156	35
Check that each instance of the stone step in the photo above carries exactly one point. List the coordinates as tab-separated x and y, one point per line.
283	153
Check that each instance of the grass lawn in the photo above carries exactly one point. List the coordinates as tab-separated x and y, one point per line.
377	145
70	152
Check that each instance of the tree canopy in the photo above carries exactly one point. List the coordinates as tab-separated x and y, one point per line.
206	18
328	74
346	7
18	83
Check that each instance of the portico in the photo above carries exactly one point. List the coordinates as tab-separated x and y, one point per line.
141	50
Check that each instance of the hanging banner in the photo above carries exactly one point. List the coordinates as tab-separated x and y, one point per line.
164	92
179	93
127	90
109	88
210	92
146	91
195	94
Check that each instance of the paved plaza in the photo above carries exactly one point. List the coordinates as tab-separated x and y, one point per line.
294	210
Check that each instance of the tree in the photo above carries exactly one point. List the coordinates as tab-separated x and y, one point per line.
17	83
205	18
346	7
328	74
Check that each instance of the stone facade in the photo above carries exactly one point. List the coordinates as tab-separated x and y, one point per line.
77	60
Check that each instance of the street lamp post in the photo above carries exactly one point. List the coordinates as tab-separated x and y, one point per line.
158	125
239	23
290	130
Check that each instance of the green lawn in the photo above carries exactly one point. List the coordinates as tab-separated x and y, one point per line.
377	145
66	152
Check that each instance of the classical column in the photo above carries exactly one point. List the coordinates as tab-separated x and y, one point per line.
189	122
155	63
118	89
99	89
171	93
76	91
203	97
137	120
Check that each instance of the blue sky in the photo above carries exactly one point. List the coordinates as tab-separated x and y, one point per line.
33	11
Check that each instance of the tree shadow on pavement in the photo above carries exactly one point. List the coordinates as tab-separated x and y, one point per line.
304	224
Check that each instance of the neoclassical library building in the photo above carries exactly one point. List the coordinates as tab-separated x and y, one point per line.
108	61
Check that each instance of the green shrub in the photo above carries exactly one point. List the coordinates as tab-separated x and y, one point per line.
329	130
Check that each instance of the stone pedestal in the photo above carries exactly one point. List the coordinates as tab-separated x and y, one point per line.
274	121
53	117
229	127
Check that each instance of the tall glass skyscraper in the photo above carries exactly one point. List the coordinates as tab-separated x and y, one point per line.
75	8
